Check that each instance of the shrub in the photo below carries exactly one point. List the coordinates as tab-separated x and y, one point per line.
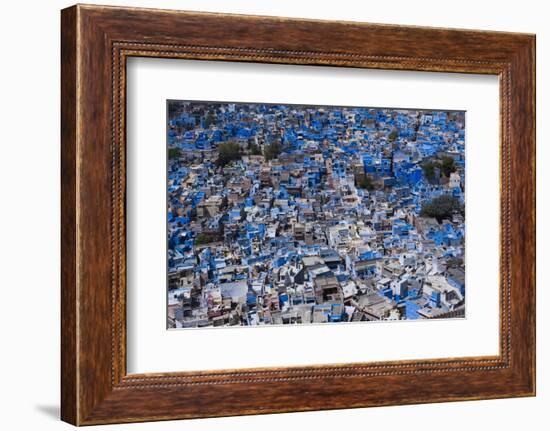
227	152
442	207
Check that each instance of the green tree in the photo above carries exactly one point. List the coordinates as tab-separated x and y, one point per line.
364	182
447	165
273	150
455	262
429	170
227	152
204	238
210	119
174	153
254	149
442	207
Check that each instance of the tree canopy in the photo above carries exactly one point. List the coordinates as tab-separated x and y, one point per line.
227	152
210	119
254	149
273	150
446	166
364	182
204	238
442	207
429	170
174	153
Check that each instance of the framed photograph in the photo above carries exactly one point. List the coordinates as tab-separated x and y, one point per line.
264	214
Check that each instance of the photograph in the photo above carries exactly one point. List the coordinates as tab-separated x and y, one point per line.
284	214
268	216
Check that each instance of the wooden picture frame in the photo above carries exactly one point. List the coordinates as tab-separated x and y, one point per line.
95	43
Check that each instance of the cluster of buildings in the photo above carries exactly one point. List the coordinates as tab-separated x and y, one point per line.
312	215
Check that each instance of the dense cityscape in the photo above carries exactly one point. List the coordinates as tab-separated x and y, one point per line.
286	214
